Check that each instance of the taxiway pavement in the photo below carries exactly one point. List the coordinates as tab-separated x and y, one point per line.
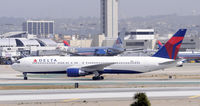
102	93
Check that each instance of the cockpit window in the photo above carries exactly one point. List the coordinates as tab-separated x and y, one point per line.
19	43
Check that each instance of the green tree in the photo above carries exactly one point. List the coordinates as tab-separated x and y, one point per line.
141	100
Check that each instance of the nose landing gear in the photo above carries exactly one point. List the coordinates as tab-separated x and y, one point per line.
25	76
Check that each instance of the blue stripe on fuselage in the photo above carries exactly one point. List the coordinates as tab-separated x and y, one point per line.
48	72
111	71
106	71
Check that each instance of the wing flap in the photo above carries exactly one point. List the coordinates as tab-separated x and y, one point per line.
167	63
96	67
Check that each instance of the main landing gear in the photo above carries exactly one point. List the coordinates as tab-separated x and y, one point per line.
25	76
97	76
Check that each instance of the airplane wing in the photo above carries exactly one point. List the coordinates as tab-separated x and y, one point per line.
168	62
96	67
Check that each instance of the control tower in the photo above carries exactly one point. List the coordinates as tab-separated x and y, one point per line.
109	18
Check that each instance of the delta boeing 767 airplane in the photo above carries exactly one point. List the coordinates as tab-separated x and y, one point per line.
82	66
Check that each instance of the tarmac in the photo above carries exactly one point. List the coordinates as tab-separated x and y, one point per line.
102	96
175	86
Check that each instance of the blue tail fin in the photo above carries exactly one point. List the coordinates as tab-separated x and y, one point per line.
119	42
171	48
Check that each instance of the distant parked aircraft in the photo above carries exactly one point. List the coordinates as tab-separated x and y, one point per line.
116	49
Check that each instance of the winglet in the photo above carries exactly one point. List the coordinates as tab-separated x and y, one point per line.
118	44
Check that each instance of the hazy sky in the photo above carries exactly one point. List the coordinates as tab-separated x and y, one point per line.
85	8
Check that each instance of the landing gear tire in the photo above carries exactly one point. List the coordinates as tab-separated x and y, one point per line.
97	78
25	78
94	78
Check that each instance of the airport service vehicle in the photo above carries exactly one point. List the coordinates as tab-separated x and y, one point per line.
76	66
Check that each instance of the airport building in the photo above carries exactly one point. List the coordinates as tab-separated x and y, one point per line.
21	44
139	39
141	34
41	28
18	47
97	40
138	44
17	34
109	18
81	43
77	41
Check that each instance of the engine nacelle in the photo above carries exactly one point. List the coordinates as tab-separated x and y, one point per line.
179	64
75	72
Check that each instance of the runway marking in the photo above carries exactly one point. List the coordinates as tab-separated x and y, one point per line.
69	100
195	96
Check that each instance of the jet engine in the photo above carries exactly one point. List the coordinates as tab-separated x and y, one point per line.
179	64
75	72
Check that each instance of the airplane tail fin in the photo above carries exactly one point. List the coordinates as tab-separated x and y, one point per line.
119	42
66	43
171	48
159	45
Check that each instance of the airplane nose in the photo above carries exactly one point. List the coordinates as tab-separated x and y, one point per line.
15	66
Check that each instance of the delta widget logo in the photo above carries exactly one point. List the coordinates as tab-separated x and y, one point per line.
34	61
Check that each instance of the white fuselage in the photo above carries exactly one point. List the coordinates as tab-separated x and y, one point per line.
61	63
